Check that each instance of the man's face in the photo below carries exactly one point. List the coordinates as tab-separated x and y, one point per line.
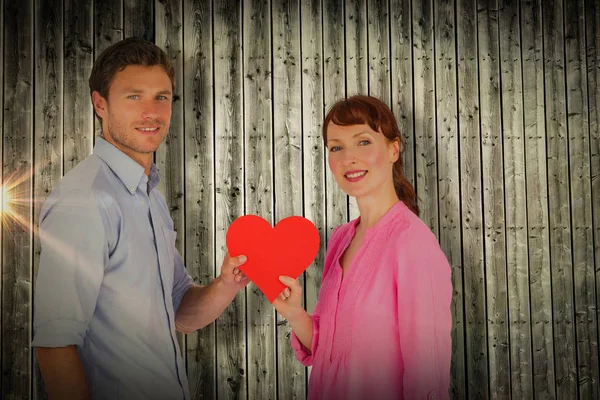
137	112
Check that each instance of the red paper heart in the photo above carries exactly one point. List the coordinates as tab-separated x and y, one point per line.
288	249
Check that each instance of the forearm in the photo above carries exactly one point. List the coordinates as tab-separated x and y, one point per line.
201	305
302	325
63	373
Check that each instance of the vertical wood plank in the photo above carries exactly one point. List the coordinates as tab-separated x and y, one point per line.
17	177
108	29
559	204
472	211
259	187
287	129
334	90
516	201
312	143
592	24
379	49
493	199
169	156
138	17
48	126
402	80
2	218
197	88
447	140
537	199
581	210
229	187
357	68
78	61
424	114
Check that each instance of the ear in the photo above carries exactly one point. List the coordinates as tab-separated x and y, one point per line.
394	150
100	104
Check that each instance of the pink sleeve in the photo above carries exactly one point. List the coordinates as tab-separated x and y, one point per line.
425	320
304	355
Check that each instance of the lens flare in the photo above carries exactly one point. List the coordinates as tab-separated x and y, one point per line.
6	202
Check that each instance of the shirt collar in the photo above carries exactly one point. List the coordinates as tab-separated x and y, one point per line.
127	170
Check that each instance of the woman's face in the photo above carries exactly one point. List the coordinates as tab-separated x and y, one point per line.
361	159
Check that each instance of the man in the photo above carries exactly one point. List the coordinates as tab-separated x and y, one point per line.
112	288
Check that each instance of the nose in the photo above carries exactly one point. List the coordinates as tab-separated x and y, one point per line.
150	111
349	157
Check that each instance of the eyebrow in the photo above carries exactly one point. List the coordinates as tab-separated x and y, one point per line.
137	91
353	136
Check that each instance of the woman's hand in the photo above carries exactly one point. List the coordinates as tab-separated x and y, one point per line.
289	302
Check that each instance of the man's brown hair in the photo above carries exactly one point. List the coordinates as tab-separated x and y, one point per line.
130	51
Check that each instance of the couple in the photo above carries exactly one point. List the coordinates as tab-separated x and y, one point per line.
112	289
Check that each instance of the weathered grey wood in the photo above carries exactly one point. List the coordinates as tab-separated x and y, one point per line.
475	329
401	72
197	88
334	90
537	199
138	16
447	139
48	126
78	136
357	68
424	113
287	167
493	199
515	195
592	24
581	209
169	156
558	201
258	169
313	147
229	187
379	49
108	29
17	171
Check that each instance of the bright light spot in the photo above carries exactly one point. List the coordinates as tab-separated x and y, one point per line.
7	200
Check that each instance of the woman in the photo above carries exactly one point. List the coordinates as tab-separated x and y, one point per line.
381	326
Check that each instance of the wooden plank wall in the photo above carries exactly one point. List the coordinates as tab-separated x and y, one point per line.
499	105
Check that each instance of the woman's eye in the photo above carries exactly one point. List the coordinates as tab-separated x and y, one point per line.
364	142
335	148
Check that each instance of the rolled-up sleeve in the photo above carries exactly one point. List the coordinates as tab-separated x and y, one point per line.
425	321
74	251
303	354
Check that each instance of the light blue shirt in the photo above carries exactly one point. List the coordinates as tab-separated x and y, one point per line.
110	279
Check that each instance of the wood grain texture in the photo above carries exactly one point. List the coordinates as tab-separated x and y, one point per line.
78	136
138	17
287	165
537	199
334	90
169	156
448	157
48	127
258	168
475	329
581	205
493	199
558	201
229	188
199	159
17	171
424	114
515	192
379	49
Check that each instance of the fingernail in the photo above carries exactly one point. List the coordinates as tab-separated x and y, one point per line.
242	259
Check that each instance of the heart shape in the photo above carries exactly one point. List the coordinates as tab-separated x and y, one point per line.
288	249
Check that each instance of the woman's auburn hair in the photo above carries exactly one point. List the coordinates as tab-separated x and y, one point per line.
361	109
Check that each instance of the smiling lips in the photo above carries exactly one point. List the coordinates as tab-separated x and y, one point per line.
148	130
355	175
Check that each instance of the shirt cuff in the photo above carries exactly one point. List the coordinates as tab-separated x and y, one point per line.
59	333
304	355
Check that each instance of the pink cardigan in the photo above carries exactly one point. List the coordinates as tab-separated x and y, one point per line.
383	332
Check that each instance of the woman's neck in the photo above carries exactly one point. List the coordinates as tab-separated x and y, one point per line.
374	207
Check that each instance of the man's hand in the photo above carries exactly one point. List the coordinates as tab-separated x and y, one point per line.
231	275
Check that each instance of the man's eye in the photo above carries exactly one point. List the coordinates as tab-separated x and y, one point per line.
161	97
133	97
